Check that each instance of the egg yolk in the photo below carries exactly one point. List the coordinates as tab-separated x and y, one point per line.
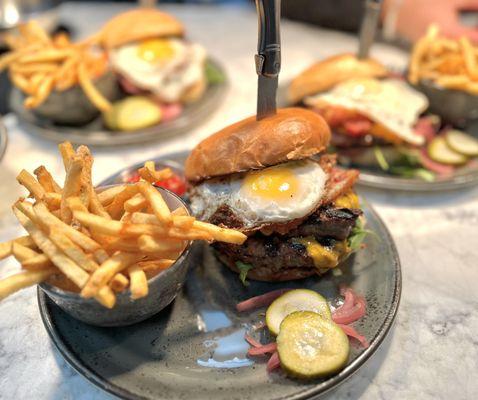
155	50
278	183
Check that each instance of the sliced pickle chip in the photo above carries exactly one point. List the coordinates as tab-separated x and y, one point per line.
133	113
439	151
311	346
295	300
462	142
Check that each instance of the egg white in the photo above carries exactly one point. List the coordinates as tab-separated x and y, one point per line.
390	102
167	79
255	210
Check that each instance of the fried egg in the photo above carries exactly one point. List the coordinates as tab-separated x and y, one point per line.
271	195
166	67
389	102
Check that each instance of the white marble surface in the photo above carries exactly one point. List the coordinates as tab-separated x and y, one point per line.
432	353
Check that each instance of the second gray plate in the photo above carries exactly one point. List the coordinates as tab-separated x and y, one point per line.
94	133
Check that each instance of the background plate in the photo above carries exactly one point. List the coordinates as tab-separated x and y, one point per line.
462	178
194	349
94	134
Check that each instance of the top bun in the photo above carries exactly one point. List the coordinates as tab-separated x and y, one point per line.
139	24
291	134
327	73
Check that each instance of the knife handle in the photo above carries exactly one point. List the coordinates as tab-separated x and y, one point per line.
268	48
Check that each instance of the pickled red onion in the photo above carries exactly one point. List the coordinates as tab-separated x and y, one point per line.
350	331
253	342
260	301
274	362
266	348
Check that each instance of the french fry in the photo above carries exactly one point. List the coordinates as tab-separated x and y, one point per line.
106	297
5	249
118	228
123	244
469	57
91	92
149	244
47	55
152	268
63	263
138	282
116	208
22	280
75	204
46	180
151	175
119	283
107	196
101	277
53	200
154	198
42	93
179	211
82	240
36	263
72	250
67	153
31	184
21	82
22	253
72	186
136	203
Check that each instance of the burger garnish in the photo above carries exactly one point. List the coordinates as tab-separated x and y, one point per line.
272	180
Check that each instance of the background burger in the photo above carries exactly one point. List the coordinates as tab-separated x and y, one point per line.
147	49
368	110
271	180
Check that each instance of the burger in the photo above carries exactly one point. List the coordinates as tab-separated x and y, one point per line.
148	51
371	111
272	180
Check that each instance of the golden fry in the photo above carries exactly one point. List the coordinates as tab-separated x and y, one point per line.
138	282
46	180
91	92
31	184
16	282
53	200
136	203
116	208
156	201
72	186
119	283
22	253
107	196
107	271
42	93
39	262
67	153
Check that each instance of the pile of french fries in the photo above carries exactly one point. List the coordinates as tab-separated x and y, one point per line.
39	64
98	242
452	64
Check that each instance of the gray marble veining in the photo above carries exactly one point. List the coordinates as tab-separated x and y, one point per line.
431	353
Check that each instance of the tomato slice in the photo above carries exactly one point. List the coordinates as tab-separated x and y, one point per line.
175	184
134	178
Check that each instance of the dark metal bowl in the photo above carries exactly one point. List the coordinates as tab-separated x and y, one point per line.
72	107
163	288
455	107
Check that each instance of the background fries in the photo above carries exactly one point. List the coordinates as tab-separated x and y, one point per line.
39	64
452	64
102	244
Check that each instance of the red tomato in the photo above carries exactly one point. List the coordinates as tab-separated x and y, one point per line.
176	184
135	178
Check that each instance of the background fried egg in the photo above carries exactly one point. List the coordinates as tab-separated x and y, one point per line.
390	102
166	67
272	195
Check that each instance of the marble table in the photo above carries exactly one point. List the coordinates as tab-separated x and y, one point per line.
432	352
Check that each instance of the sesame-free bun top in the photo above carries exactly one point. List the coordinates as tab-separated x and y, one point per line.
291	134
139	24
325	74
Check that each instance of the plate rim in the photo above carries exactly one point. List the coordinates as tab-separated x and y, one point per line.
308	393
3	139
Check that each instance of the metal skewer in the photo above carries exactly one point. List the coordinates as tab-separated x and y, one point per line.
268	57
369	27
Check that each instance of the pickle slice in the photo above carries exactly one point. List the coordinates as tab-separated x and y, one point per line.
462	142
295	300
133	113
439	151
310	346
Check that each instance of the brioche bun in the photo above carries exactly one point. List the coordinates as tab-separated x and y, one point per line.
291	134
139	24
325	74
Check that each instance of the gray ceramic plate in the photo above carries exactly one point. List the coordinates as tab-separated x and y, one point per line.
195	348
3	139
462	178
94	133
